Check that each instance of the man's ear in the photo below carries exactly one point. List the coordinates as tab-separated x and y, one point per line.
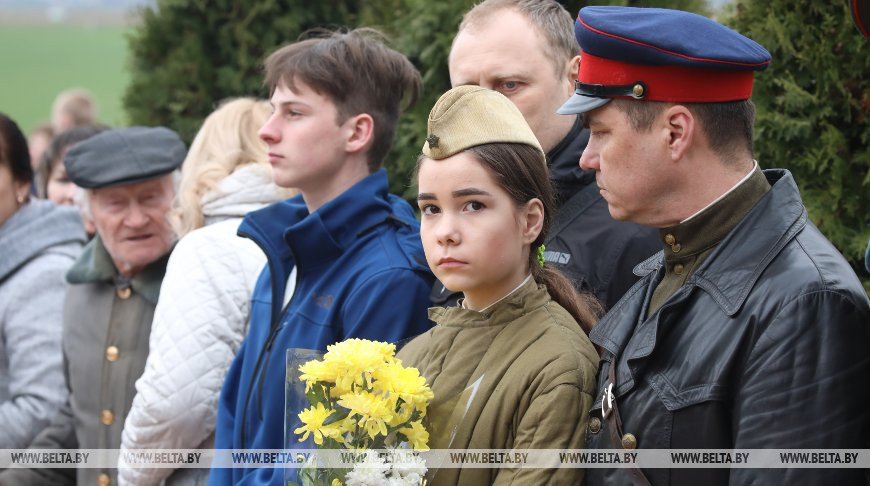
360	132
681	130
573	70
533	220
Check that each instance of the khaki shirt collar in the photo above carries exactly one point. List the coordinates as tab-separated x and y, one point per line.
705	229
526	298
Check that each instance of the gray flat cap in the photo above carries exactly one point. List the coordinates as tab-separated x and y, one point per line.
124	156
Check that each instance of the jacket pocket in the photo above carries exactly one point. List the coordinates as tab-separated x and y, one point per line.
700	414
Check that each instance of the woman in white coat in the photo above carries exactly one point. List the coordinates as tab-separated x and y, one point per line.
202	313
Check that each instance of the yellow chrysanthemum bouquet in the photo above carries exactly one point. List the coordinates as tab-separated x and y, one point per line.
362	399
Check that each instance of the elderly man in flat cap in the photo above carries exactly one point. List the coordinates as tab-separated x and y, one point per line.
127	174
749	330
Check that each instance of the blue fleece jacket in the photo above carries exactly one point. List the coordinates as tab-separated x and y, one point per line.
361	273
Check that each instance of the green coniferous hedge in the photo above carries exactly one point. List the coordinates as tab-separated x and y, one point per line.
814	111
188	55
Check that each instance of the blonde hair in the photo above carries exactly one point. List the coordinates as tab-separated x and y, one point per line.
73	108
226	142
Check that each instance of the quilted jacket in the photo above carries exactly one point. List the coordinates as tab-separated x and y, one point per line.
200	321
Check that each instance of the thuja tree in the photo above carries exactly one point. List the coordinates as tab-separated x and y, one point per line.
423	30
813	109
188	55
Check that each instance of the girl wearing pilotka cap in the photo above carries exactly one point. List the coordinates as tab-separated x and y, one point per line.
511	367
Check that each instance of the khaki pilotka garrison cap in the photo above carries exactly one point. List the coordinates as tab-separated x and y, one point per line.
467	116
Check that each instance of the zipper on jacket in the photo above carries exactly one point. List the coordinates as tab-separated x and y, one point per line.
265	350
275	327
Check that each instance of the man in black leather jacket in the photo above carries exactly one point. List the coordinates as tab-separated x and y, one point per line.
749	330
526	50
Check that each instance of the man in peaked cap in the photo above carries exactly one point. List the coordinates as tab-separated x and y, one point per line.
749	330
128	176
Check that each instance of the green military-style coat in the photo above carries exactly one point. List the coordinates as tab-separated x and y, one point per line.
520	375
106	327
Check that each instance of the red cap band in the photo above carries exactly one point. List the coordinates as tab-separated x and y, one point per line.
669	83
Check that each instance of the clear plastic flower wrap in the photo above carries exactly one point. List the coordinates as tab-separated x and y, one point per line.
356	397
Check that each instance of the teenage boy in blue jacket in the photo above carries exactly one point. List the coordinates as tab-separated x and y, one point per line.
344	257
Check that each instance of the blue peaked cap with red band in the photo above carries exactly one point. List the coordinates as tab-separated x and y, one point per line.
657	54
666	37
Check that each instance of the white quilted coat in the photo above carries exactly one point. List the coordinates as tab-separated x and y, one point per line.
199	323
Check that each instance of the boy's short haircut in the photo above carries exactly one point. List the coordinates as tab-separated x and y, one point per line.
358	72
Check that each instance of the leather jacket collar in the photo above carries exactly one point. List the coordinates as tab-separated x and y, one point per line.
727	275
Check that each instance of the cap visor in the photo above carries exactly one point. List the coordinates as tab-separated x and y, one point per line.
581	104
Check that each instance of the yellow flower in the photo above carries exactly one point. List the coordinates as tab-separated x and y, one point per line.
336	482
375	411
378	392
314	371
405	383
402	415
356	359
343	385
417	435
336	430
313	418
359	349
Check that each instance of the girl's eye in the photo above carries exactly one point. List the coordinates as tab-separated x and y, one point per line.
429	209
474	206
509	85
